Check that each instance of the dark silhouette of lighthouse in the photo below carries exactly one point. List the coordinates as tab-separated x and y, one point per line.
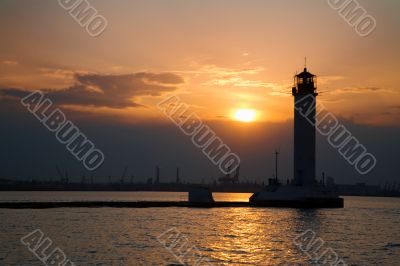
305	93
304	191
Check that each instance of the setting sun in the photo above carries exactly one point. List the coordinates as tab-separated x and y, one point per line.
245	115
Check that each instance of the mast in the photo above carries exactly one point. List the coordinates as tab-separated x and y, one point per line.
177	176
276	165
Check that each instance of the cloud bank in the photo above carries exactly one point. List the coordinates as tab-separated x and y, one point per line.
113	91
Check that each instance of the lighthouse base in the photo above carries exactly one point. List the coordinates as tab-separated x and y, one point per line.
297	197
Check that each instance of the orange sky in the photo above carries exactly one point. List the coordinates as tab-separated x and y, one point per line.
230	54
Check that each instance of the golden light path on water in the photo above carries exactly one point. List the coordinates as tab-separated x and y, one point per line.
242	229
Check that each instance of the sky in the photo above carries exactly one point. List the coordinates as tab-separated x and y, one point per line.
217	57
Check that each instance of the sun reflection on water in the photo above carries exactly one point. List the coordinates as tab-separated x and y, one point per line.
255	236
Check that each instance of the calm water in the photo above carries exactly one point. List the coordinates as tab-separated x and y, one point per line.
365	232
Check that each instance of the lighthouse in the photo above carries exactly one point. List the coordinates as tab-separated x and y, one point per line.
304	191
305	94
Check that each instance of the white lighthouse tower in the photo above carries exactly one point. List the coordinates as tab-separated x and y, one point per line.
305	93
304	191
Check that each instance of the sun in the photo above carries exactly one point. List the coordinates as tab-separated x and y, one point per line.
245	115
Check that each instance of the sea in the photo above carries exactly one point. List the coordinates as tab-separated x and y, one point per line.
365	232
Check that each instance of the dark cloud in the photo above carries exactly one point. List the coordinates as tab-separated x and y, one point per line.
361	89
114	91
356	90
8	93
370	89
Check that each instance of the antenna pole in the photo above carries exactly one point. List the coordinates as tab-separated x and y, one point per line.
276	165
